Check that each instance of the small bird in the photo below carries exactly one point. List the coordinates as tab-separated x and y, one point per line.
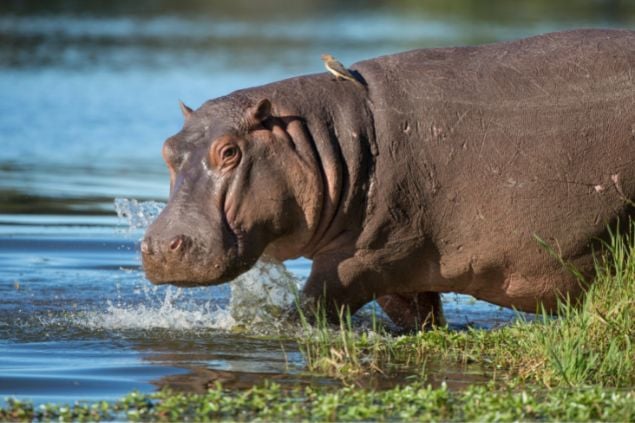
336	68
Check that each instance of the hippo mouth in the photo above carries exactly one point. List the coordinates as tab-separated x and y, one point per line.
237	235
184	274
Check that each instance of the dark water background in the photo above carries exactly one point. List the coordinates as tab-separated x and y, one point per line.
89	92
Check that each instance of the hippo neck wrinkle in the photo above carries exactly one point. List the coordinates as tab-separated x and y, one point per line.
342	144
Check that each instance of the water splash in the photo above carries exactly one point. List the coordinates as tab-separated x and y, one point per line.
175	312
137	215
261	296
257	301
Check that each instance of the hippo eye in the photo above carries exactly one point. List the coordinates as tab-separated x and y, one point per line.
227	156
229	152
224	153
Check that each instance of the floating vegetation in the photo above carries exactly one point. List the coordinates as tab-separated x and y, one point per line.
413	402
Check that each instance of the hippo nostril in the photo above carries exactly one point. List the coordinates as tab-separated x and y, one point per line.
176	243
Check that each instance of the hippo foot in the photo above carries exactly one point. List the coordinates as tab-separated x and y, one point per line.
414	311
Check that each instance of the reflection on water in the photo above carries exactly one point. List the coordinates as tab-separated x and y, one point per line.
89	93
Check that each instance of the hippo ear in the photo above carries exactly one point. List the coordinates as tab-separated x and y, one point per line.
187	112
260	112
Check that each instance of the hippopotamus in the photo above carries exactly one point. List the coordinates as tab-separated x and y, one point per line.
440	172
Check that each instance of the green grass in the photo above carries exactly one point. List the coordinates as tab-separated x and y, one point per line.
343	352
272	403
592	343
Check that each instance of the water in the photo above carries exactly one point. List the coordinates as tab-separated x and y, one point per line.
89	94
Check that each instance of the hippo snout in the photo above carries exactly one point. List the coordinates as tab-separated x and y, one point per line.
172	256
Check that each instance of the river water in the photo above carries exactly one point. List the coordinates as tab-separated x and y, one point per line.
89	93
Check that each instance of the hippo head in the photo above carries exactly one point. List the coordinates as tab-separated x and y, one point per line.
238	187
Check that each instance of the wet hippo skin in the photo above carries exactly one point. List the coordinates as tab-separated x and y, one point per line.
436	175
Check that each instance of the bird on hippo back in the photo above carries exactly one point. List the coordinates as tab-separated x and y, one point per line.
436	176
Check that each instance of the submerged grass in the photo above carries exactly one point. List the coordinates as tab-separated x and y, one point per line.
272	403
592	343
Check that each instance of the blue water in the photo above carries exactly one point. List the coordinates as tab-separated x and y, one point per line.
89	93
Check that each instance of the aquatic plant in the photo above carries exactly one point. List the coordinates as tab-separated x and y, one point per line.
343	351
412	402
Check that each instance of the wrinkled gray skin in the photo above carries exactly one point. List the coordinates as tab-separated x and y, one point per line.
435	177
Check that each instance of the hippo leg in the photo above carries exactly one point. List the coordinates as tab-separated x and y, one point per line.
341	280
414	311
338	282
